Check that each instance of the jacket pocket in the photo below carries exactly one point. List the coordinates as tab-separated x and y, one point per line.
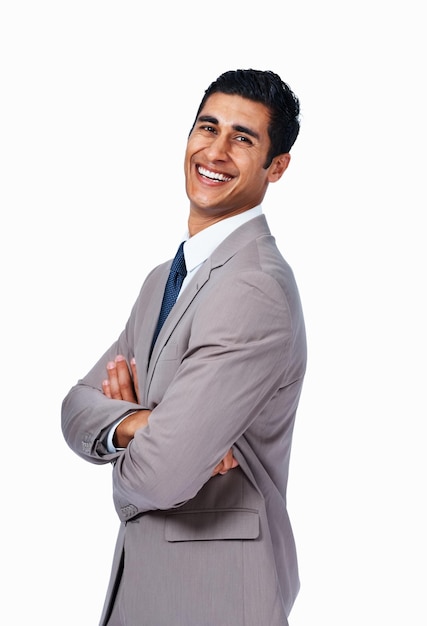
208	525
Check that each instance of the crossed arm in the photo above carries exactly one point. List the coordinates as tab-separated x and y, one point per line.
122	384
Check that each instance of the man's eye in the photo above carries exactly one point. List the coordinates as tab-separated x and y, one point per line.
209	129
243	139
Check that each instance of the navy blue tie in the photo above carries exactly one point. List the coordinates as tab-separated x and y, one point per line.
177	273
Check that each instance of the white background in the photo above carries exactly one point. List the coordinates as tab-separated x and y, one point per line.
96	102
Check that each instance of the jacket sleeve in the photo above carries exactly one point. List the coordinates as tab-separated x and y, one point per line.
87	414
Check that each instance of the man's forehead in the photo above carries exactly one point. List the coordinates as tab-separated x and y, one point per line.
235	110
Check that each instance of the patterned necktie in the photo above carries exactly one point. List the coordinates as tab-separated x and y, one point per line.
177	273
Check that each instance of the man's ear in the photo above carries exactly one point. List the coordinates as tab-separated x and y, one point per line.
278	166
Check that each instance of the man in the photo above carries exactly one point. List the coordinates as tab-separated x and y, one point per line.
197	420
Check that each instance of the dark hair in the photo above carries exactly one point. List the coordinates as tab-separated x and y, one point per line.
269	89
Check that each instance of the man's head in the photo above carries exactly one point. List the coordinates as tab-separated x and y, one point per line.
245	127
267	88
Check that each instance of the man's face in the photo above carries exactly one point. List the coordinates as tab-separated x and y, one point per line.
225	155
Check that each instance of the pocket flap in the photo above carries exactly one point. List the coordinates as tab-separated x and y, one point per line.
210	525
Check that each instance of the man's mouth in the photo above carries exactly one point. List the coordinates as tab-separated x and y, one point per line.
223	178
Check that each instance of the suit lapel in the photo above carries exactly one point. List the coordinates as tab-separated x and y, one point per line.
178	310
227	249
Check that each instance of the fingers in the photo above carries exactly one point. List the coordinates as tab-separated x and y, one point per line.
134	377
106	388
119	385
111	385
216	469
227	463
127	389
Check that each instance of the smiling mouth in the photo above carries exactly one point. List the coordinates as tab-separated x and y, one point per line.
222	178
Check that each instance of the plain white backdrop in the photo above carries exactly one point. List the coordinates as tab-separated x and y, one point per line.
96	102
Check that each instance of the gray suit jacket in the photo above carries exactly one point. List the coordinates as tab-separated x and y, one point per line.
227	370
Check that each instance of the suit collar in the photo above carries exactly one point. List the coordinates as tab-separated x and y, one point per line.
199	247
238	239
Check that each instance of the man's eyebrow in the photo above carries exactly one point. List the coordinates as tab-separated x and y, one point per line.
237	127
207	118
247	131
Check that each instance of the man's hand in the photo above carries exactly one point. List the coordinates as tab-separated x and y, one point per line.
227	463
121	385
127	428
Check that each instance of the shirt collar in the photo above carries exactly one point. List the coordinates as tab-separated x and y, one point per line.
200	246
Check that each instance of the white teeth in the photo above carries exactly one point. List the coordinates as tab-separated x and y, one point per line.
213	175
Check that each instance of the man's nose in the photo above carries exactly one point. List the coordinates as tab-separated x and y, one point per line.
218	148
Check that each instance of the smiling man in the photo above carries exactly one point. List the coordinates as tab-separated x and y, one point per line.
225	161
194	407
